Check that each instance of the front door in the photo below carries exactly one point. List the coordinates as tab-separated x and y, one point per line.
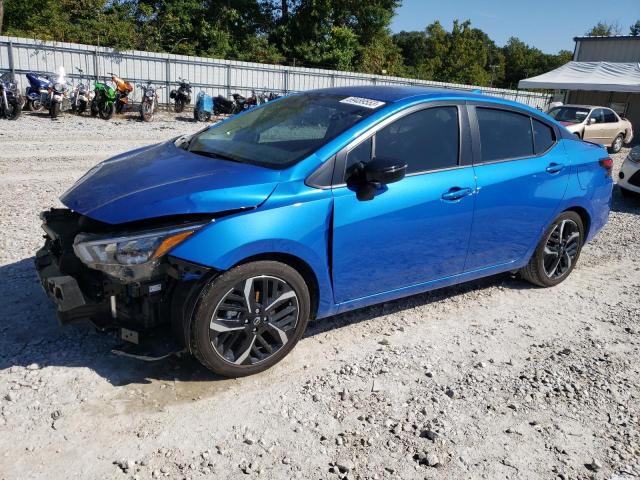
415	230
596	129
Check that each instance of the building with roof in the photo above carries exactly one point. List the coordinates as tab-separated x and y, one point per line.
605	71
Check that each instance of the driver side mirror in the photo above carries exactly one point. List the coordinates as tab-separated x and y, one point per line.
592	121
376	173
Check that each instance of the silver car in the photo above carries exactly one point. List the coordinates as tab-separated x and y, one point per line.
596	124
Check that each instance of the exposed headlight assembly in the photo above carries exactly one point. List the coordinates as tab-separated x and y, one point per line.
130	257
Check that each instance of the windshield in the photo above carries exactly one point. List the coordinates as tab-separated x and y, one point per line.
284	131
569	114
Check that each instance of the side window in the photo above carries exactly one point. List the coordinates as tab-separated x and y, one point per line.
503	134
610	117
426	140
598	115
543	137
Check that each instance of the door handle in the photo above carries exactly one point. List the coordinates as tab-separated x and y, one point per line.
456	193
555	168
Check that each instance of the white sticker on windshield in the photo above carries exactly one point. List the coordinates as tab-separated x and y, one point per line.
362	102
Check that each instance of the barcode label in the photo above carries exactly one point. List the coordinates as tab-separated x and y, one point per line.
362	102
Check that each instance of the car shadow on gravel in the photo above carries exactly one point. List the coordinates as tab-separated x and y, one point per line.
624	204
30	333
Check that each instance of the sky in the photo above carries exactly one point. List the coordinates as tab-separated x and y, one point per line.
549	25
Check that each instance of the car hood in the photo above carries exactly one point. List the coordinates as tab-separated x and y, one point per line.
162	180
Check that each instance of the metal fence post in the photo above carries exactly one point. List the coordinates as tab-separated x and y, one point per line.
333	80
12	67
95	65
373	80
286	81
228	80
168	78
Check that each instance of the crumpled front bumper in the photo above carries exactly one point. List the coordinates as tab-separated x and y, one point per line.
71	303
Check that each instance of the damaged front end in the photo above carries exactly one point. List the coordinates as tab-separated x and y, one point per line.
120	276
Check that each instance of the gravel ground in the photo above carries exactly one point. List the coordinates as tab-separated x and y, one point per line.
492	379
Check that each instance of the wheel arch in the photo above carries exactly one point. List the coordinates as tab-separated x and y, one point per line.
584	216
299	265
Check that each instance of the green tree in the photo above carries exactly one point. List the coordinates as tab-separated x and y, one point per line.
604	29
635	29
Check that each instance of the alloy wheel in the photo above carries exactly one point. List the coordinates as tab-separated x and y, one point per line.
561	249
254	320
617	143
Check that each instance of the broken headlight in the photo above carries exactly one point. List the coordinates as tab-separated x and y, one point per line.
130	257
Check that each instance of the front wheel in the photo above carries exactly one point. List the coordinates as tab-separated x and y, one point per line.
15	108
557	253
616	146
54	109
146	111
178	106
107	110
250	318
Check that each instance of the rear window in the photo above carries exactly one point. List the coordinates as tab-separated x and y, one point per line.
543	137
504	135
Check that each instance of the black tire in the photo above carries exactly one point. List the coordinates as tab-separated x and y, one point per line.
201	116
107	111
34	106
119	107
15	108
617	144
224	288
145	116
535	271
578	135
54	109
95	109
82	106
178	106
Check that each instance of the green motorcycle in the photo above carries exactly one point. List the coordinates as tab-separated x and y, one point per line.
104	101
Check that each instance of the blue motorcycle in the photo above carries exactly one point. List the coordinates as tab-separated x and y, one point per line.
38	84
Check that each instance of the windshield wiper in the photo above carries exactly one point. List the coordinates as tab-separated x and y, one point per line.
221	156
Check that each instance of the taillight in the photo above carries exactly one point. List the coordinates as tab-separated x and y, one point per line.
607	164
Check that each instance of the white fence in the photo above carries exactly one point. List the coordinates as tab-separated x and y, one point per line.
22	55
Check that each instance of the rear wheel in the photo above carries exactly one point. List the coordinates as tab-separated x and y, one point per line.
178	107
250	318
146	111
616	146
34	105
629	194
201	116
557	253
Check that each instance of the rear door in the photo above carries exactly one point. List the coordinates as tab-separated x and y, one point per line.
522	174
415	230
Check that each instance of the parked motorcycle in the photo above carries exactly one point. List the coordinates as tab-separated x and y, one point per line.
181	96
103	102
123	89
38	84
149	101
80	95
55	100
224	106
203	108
10	106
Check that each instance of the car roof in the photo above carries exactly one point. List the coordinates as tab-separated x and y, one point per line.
590	107
391	93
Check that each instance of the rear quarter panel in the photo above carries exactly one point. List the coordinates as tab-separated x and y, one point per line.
589	186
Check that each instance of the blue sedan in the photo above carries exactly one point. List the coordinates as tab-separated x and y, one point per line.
315	204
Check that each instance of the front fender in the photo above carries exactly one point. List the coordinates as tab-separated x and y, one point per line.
295	220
